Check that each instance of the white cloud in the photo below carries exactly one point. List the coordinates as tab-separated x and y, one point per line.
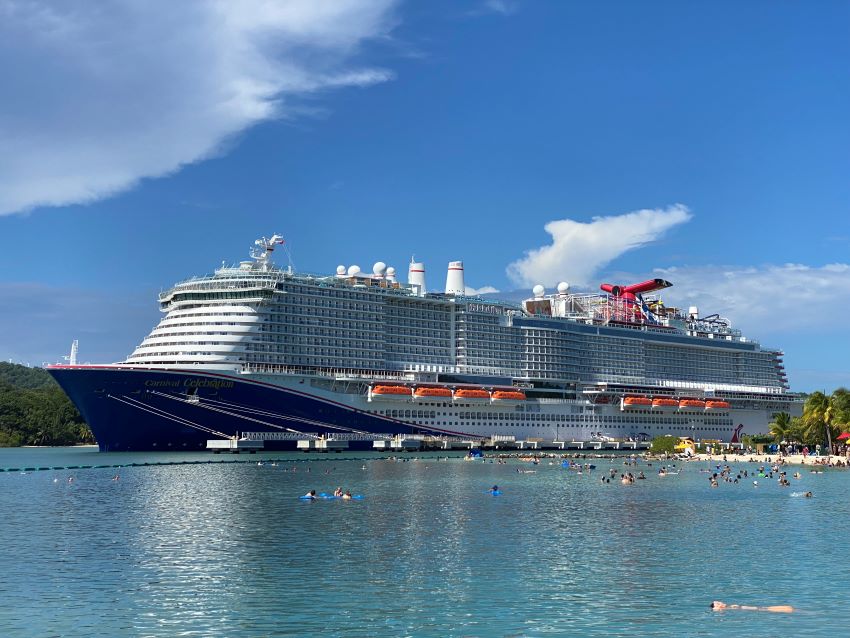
765	300
98	95
484	290
504	7
578	249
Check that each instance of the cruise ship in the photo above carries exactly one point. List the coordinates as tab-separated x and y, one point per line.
265	353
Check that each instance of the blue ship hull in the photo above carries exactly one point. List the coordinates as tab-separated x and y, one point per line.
133	409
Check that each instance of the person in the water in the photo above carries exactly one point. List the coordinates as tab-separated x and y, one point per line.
494	489
779	609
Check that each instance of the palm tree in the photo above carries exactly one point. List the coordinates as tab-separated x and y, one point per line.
781	426
824	414
816	415
841	400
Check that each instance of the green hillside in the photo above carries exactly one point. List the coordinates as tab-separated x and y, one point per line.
35	411
24	377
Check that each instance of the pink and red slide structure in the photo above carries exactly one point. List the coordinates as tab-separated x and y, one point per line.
628	301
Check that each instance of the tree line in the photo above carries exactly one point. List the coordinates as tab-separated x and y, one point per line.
35	411
825	417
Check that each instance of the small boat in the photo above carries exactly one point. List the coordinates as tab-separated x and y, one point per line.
691	404
660	404
471	394
432	393
508	395
636	403
390	392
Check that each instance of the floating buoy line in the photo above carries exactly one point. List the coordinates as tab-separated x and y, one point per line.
167	463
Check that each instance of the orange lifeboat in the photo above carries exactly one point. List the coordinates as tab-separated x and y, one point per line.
390	392
717	405
508	395
471	393
691	404
436	393
635	403
664	404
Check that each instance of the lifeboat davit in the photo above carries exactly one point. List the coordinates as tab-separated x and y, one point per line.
471	394
717	405
691	404
636	403
662	404
432	393
508	395
390	392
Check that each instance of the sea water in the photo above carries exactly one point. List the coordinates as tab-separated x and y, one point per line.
228	549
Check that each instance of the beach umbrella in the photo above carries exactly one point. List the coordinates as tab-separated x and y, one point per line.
843	436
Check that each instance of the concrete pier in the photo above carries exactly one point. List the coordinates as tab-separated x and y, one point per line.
234	446
398	444
322	445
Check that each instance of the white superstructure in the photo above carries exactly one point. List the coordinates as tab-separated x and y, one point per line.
618	364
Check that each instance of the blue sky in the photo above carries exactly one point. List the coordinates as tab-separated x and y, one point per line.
144	145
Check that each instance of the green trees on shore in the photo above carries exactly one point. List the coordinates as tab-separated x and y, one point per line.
824	418
35	411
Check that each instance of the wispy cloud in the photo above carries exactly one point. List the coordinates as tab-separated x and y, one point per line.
484	290
578	249
503	7
765	300
99	95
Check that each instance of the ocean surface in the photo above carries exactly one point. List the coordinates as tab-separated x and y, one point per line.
228	549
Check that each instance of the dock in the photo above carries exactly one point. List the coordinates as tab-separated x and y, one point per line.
398	444
322	445
235	446
338	442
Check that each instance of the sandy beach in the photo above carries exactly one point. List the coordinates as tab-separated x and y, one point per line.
791	459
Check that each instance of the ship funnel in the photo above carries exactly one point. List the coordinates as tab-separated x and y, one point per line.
416	275
454	279
693	312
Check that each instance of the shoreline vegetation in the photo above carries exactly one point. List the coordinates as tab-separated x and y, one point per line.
822	428
35	411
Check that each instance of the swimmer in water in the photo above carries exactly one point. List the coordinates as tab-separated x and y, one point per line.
808	495
116	477
347	495
311	495
338	491
494	489
779	609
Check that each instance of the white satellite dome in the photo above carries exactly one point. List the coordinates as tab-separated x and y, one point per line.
340	270
353	270
390	272
379	268
563	287
538	290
